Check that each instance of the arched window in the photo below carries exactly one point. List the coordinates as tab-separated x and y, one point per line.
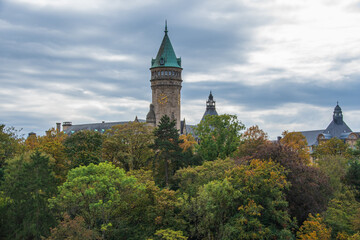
162	73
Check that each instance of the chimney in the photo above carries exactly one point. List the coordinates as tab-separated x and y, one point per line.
58	127
66	125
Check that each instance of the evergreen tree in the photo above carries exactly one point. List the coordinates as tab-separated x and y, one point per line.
168	153
29	183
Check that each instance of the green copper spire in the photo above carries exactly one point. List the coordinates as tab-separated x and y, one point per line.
166	56
166	31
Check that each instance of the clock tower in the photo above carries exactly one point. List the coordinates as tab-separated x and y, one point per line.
165	84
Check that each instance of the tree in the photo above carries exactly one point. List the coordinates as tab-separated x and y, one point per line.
314	229
333	146
72	229
127	145
115	204
53	144
355	152
222	206
252	138
169	234
335	167
29	183
10	145
297	142
168	154
352	177
219	136
84	147
92	192
343	213
190	179
310	189
188	143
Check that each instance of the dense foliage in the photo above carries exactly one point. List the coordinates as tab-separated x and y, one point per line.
135	182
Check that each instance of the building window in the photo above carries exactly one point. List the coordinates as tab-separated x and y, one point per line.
162	73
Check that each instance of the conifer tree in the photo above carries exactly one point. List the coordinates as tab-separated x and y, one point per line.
168	153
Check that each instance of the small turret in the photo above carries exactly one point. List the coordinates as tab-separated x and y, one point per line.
150	117
337	116
210	106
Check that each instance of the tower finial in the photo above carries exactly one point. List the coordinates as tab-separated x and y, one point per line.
337	102
166	31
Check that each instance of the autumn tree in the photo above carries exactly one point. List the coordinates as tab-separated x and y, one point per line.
127	145
29	183
297	142
252	138
314	229
72	229
84	147
53	144
219	136
168	153
168	234
310	189
188	142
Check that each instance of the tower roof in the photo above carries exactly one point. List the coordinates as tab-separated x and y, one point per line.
166	56
337	125
210	107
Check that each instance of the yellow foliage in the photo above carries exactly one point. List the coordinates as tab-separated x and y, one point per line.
188	142
314	229
297	142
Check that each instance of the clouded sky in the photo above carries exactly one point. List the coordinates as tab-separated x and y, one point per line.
279	64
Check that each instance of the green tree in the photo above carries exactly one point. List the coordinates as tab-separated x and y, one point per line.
10	145
127	145
333	146
223	207
29	183
342	213
219	136
190	179
352	177
116	204
84	147
168	153
92	192
334	166
356	150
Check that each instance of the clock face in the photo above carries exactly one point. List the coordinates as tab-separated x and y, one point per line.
162	99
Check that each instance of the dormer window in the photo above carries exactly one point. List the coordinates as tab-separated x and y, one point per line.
162	61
